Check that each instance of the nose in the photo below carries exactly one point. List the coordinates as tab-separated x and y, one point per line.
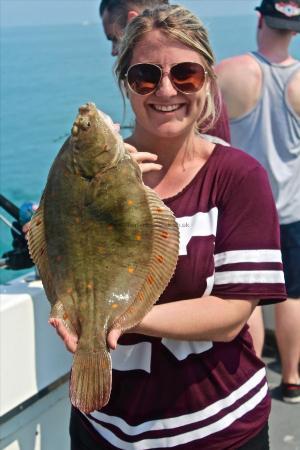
165	88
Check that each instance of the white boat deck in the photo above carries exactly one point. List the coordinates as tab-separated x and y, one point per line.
34	366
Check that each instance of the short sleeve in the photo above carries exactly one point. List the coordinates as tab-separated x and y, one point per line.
247	257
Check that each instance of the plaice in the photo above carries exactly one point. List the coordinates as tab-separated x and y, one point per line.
105	245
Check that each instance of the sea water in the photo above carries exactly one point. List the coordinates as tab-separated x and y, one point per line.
46	74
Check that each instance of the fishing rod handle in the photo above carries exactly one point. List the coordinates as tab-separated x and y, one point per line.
9	207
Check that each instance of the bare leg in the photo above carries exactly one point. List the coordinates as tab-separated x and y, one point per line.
257	331
287	316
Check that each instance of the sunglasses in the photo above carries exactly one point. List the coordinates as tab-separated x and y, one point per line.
186	77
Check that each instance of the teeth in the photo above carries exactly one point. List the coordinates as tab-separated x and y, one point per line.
166	108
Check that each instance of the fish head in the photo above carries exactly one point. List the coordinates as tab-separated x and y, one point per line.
96	143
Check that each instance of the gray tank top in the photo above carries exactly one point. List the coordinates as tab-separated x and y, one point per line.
270	132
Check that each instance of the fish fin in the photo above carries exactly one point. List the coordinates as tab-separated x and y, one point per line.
58	312
90	384
38	251
162	263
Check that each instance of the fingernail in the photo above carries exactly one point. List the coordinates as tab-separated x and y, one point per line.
52	322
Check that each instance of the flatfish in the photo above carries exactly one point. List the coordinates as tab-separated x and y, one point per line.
105	246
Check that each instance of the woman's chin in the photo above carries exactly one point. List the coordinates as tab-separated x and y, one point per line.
171	130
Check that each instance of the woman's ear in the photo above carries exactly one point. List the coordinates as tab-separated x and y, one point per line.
131	15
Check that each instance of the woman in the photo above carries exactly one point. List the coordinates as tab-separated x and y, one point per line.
191	378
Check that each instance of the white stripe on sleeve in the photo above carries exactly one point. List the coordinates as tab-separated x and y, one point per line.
246	256
249	276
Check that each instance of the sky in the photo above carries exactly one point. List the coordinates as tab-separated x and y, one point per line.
50	12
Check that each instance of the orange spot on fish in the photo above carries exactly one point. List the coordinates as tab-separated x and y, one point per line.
141	296
150	279
65	316
114	305
89	285
129	202
165	234
159	210
160	259
138	237
130	269
38	222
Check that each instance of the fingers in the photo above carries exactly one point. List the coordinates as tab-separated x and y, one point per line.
112	338
69	339
142	156
130	148
25	227
148	167
145	160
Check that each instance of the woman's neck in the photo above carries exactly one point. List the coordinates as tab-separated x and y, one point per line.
181	158
171	151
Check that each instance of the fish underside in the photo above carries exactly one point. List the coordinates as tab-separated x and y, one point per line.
105	246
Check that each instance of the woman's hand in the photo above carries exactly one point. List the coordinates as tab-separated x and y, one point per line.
112	338
71	340
145	160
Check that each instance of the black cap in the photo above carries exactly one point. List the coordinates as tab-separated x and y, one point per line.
281	14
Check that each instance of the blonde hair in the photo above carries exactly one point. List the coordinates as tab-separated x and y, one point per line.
178	23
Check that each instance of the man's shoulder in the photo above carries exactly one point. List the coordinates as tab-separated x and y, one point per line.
240	80
236	63
235	60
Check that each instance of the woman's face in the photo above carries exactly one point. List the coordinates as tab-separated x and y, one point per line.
166	113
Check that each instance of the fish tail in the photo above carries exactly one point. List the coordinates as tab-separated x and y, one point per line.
90	384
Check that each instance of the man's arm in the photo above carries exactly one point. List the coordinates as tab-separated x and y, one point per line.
293	93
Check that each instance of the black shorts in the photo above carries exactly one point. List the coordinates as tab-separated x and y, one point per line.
290	248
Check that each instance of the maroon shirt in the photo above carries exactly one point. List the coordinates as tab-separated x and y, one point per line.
211	395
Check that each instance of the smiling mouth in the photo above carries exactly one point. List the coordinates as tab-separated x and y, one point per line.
166	108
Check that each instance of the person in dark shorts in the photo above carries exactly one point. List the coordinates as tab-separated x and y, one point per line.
187	377
262	92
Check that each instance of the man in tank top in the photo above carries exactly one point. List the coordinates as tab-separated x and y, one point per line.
262	93
115	14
